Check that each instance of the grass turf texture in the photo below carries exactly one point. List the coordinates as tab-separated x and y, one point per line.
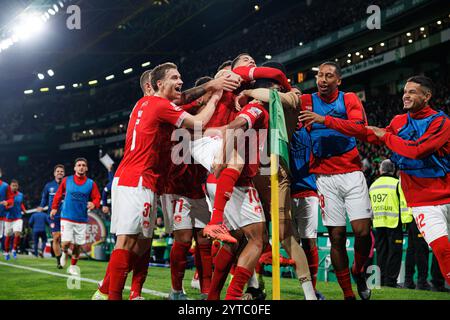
19	284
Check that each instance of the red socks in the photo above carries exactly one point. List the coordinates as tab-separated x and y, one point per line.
104	288
178	263
140	271
7	243
225	185
359	262
223	262
73	261
119	267
312	255
203	263
441	249
240	279
345	283
16	242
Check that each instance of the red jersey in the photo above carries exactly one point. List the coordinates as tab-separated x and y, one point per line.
147	144
257	118
418	191
349	161
186	180
225	111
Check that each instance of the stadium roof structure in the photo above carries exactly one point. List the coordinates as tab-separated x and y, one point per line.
116	34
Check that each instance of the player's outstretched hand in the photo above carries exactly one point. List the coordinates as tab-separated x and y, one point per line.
52	213
4	202
379	132
309	117
90	205
228	81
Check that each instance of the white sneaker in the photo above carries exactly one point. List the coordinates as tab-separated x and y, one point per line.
63	259
99	296
195	284
73	270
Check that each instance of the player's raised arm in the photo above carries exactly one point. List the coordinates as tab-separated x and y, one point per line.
225	82
288	99
253	73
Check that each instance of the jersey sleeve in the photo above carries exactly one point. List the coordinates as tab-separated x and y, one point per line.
95	195
251	112
171	113
44	197
252	73
59	194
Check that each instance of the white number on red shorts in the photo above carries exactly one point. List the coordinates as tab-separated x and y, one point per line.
420	223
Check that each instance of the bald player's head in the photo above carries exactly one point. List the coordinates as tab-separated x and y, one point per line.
146	86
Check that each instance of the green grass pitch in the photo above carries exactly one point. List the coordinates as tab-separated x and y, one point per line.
26	284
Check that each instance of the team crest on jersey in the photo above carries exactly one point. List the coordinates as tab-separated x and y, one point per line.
52	190
309	108
177	218
175	107
254	111
258	209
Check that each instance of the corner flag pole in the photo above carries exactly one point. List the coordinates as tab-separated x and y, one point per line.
275	226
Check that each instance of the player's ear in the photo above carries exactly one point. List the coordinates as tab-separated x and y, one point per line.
339	81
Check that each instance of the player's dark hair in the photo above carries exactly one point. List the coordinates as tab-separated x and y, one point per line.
423	81
202	80
227	63
13	181
235	60
335	65
58	166
145	78
81	159
159	72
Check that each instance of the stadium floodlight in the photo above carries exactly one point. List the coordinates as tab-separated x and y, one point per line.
349	61
5	44
50	72
110	77
336	59
382	44
40	76
75	85
61	87
300	44
410	41
439	22
422	29
35	116
349	55
61	4
120	125
55	7
408	34
28	25
92	82
361	56
145	64
370	49
357	53
268	56
128	70
44	89
424	35
256	7
51	11
84	131
28	91
315	69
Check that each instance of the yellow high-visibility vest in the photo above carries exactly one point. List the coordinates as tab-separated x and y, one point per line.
406	212
157	241
386	202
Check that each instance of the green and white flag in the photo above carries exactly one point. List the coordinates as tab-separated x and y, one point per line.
279	142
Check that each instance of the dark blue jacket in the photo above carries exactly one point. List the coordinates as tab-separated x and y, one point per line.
38	221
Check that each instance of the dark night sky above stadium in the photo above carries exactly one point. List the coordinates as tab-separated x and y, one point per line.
115	34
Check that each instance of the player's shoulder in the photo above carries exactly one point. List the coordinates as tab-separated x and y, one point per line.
351	97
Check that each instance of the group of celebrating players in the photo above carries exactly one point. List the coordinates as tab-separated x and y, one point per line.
224	194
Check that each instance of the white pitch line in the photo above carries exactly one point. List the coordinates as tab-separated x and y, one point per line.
152	292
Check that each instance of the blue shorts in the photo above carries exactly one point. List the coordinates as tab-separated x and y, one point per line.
55	224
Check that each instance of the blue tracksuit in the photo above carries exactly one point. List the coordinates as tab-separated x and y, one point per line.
38	221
